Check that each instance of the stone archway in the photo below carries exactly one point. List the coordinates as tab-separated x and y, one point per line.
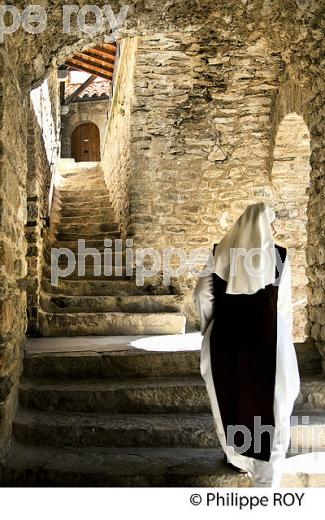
290	178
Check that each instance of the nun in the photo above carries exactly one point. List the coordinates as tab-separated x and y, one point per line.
248	359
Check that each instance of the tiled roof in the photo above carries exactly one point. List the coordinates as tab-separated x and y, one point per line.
96	89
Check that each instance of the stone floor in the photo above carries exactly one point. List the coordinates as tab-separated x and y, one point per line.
133	411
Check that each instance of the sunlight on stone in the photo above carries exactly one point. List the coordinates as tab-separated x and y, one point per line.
170	343
313	462
163	343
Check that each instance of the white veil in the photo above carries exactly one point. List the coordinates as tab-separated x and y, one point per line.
245	257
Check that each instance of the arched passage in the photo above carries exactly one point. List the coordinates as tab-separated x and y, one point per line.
85	143
290	179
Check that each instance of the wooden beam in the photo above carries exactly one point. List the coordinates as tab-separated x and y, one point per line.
79	90
107	52
88	63
94	61
99	56
91	70
107	46
101	52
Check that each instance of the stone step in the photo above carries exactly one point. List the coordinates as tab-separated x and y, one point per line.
141	363
97	243
86	228
76	185
159	395
110	271
104	272
67	208
85	212
92	219
85	198
75	172
82	194
78	176
88	236
115	364
142	395
107	287
142	303
90	273
127	467
92	189
68	165
81	198
118	260
75	175
97	190
110	323
36	428
110	230
122	467
77	180
95	186
117	256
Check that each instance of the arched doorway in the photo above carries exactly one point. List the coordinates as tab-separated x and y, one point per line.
290	179
85	143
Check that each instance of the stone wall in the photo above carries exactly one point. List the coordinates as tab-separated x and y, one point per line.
207	127
83	112
13	165
27	149
200	140
116	150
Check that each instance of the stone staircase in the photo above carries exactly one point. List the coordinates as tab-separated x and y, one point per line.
98	303
136	418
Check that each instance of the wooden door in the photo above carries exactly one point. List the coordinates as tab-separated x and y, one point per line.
85	143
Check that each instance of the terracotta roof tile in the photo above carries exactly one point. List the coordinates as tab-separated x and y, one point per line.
96	89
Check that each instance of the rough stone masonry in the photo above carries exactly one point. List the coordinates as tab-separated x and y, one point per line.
212	83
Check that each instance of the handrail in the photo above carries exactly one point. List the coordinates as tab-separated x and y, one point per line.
53	172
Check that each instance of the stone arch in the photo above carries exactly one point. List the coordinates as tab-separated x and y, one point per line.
71	121
290	178
290	98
